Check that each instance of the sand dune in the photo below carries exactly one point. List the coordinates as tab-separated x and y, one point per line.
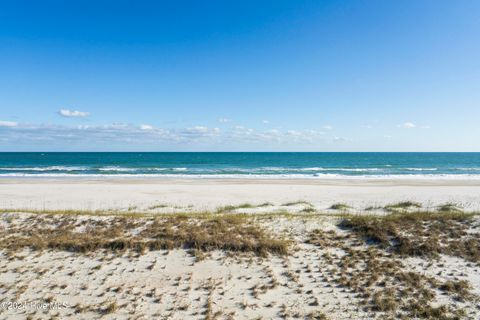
298	254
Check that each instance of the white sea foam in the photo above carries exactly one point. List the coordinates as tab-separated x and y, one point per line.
117	169
42	169
251	176
79	168
284	169
238	172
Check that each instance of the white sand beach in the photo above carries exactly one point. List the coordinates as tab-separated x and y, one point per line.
78	265
203	194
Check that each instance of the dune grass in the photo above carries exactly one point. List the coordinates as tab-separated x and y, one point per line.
370	265
404	205
158	206
449	207
296	203
371	261
339	206
117	234
246	205
418	233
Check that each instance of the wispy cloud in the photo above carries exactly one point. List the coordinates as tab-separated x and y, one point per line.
121	134
407	125
327	127
8	124
340	139
201	130
146	127
197	129
72	113
265	121
224	120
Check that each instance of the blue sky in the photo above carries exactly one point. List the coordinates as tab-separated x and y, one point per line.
240	75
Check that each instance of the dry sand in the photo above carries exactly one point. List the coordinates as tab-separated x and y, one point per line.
173	285
203	194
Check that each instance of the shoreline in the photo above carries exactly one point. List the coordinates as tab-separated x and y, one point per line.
442	179
240	177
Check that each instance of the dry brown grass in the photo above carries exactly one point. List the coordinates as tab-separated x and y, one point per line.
404	205
460	288
117	234
339	206
296	203
381	282
419	233
377	273
449	207
111	307
316	315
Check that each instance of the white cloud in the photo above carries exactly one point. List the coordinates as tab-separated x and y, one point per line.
294	133
116	125
197	132
339	139
265	121
8	124
407	125
72	113
314	132
387	136
198	129
328	127
146	127
125	135
224	120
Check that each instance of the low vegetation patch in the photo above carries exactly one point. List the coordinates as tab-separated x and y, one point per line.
419	233
449	207
381	280
297	203
339	206
230	208
86	234
308	210
158	206
404	205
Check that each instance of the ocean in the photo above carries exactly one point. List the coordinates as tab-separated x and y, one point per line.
239	164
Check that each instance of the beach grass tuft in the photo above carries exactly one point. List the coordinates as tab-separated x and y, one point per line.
339	206
296	203
117	234
158	206
230	208
404	205
370	263
418	233
449	207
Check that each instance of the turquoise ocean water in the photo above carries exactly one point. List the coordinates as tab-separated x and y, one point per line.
240	164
